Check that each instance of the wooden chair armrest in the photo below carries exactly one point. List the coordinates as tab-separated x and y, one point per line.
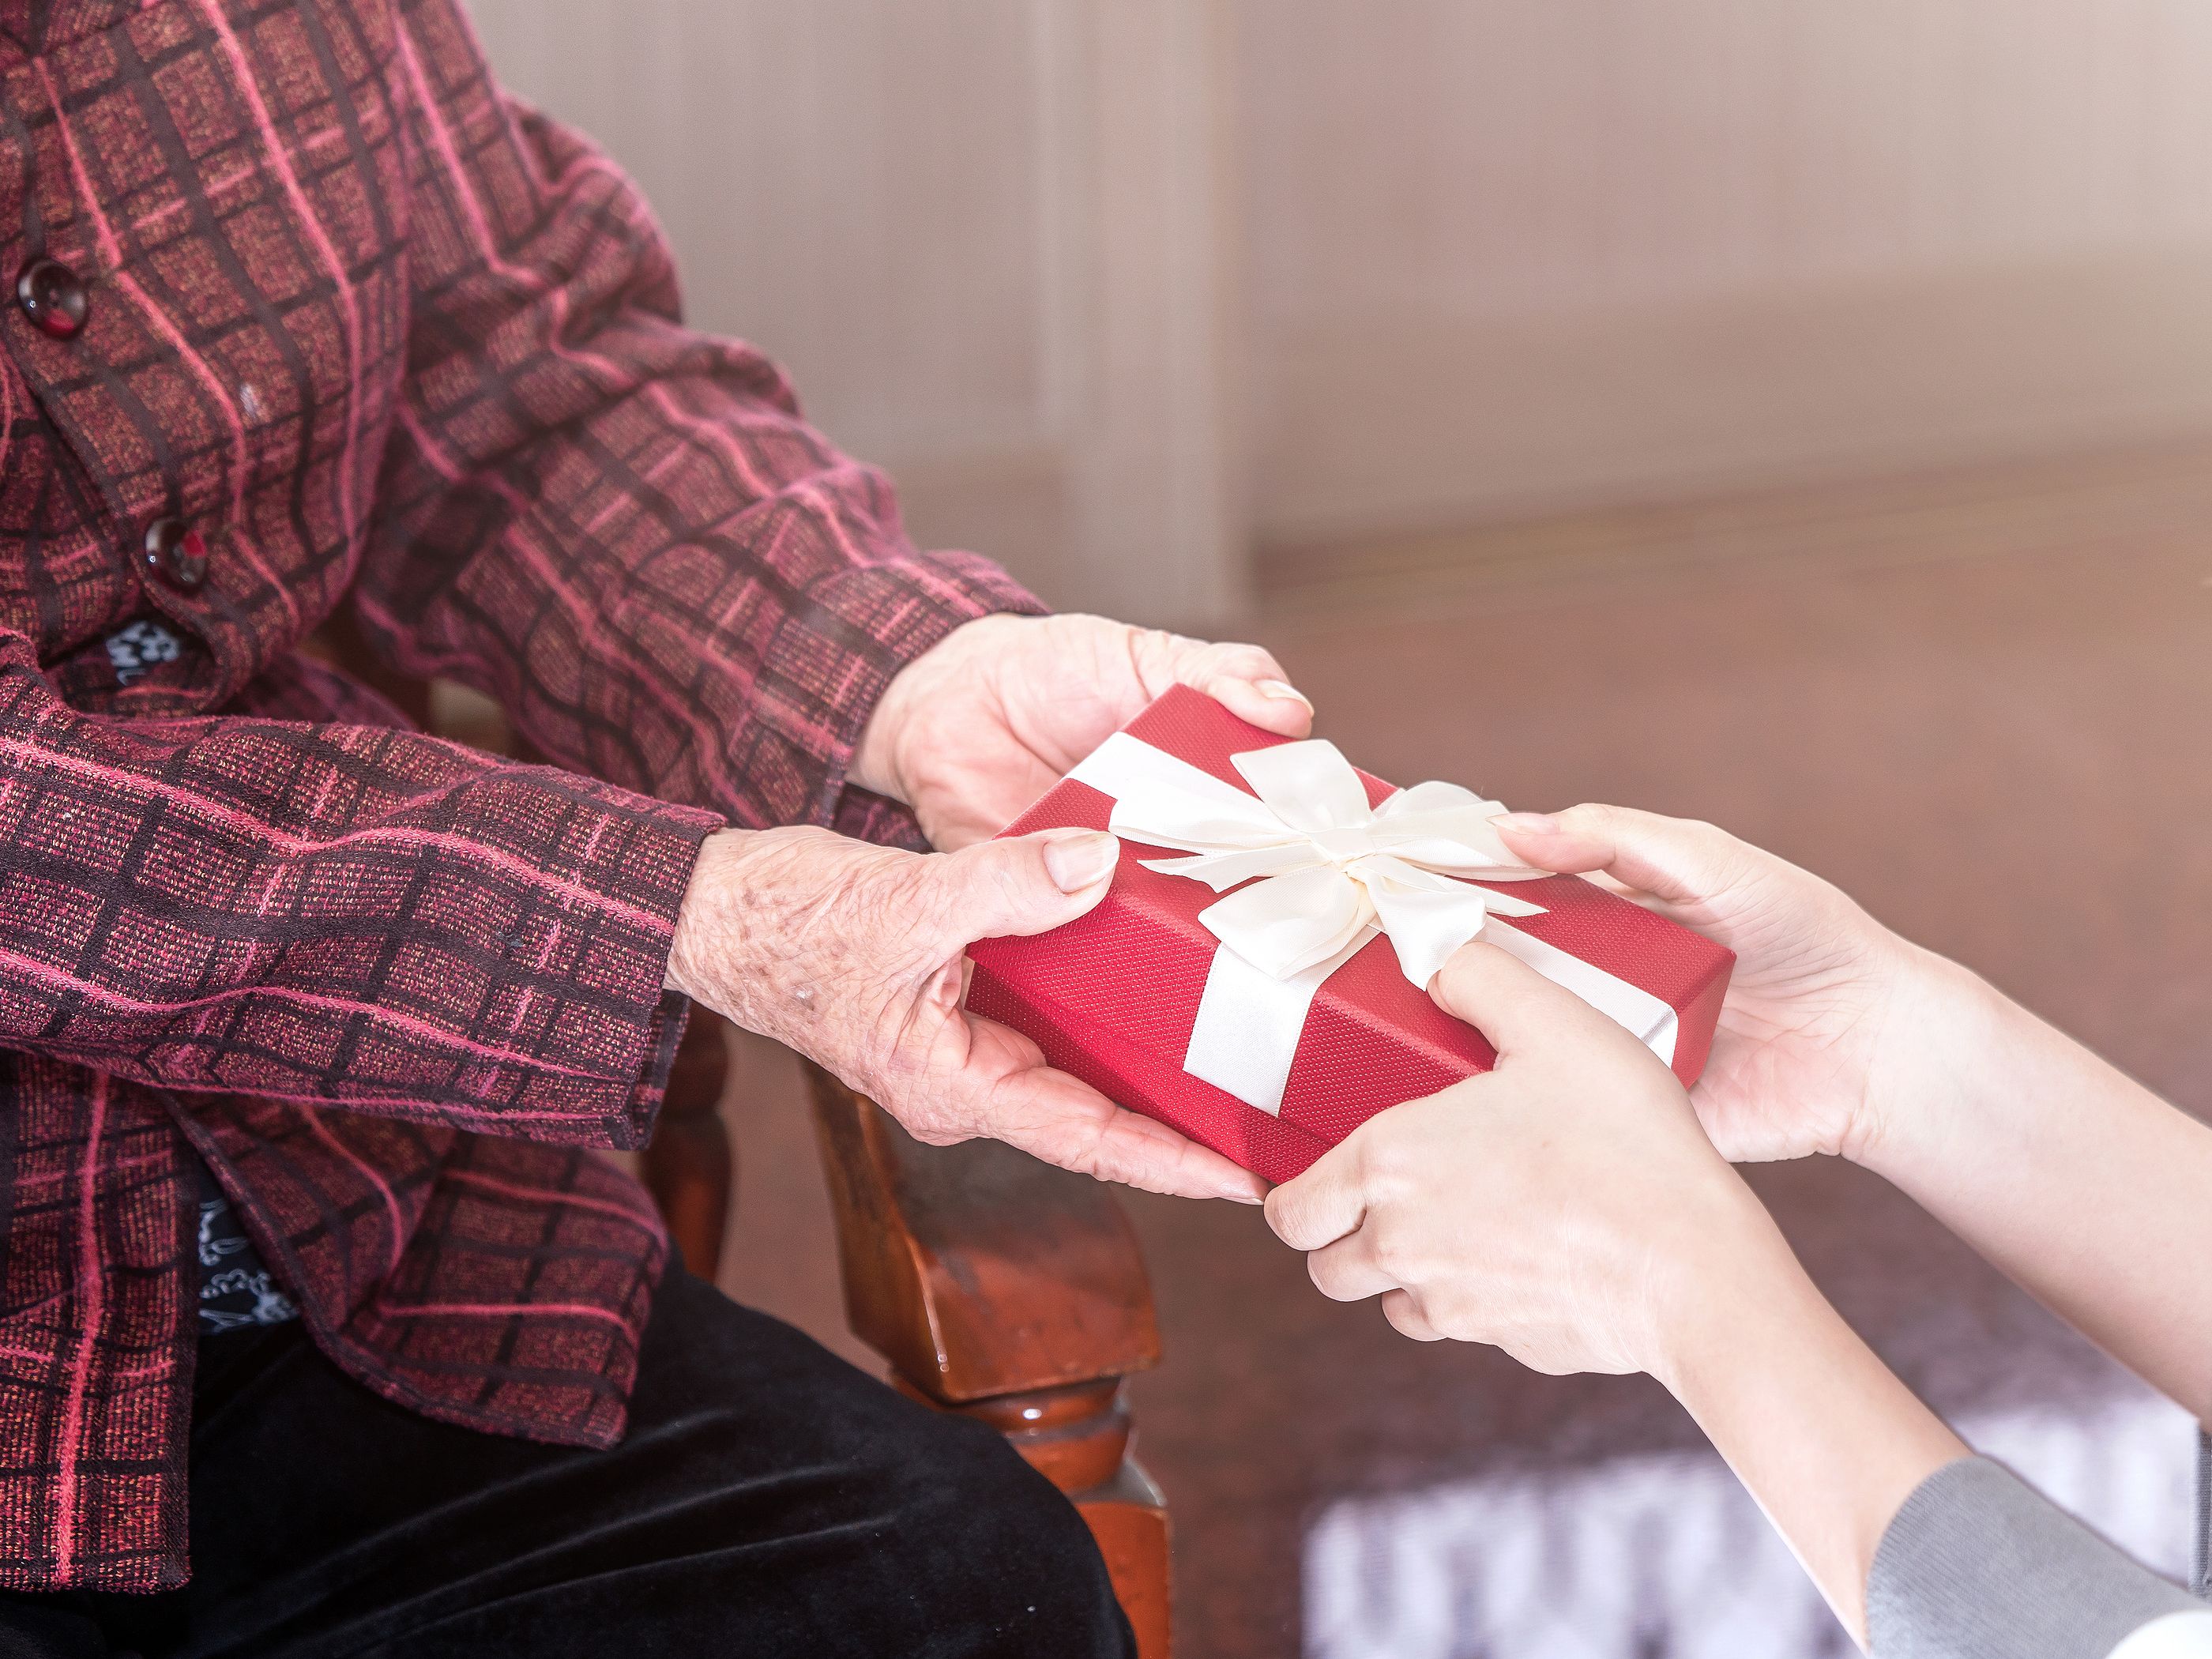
1013	1292
975	1269
690	1166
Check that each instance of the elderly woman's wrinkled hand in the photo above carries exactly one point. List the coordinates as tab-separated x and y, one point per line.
854	955
974	730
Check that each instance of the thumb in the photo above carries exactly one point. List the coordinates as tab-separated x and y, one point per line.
1678	860
1512	1005
1028	884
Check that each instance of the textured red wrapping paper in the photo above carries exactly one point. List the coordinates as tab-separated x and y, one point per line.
1112	998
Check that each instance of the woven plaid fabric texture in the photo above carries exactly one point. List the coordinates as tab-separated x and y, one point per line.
355	323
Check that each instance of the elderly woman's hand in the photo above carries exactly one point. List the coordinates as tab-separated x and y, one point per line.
1565	1207
853	955
1824	997
973	730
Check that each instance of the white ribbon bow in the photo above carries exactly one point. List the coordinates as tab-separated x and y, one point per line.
1332	872
1331	869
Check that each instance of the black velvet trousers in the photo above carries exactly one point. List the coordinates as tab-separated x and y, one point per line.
769	1501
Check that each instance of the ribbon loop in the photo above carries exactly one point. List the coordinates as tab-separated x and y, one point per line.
1310	786
1327	871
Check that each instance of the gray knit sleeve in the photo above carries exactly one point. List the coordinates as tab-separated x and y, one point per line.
1979	1565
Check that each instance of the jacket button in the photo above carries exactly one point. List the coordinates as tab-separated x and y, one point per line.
54	297
176	553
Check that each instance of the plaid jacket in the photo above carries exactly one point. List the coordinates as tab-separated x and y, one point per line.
309	309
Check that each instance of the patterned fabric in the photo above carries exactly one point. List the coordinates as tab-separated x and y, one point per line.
237	1289
362	325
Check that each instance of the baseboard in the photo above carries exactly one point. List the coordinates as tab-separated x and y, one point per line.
1989	510
1391	425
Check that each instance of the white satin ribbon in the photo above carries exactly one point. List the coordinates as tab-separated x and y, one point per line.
1331	869
1327	873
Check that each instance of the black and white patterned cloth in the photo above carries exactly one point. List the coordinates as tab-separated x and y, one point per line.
141	646
236	1290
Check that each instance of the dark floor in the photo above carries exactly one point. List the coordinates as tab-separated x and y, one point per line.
1982	705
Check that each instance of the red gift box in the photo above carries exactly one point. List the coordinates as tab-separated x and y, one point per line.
1113	998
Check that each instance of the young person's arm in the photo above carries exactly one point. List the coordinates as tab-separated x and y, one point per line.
1839	1036
1923	1551
2088	1190
1567	1207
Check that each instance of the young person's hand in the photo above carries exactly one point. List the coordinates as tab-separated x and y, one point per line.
974	730
855	956
1565	1207
1824	996
1839	1036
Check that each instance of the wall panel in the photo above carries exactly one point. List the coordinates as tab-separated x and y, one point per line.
1121	289
1505	256
982	234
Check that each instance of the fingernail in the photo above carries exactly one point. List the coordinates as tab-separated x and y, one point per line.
1243	1195
1527	823
1081	860
1283	691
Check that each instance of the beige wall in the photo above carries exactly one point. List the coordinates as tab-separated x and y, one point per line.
984	235
1504	254
1122	288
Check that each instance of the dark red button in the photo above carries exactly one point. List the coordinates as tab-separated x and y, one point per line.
54	297
176	553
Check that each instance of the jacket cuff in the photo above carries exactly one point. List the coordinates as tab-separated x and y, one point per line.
1977	1563
578	942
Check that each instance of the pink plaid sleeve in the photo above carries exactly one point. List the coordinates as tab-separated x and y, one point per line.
342	913
620	529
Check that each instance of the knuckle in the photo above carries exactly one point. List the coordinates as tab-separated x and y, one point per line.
992	877
1245	658
1388	1170
1708	837
1393	1189
1398	1256
1157	645
1728	862
1409	1315
1090	1154
1461	974
932	899
931	1132
1458	1319
1326	1274
1286	1218
1590	816
1303	1228
884	875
